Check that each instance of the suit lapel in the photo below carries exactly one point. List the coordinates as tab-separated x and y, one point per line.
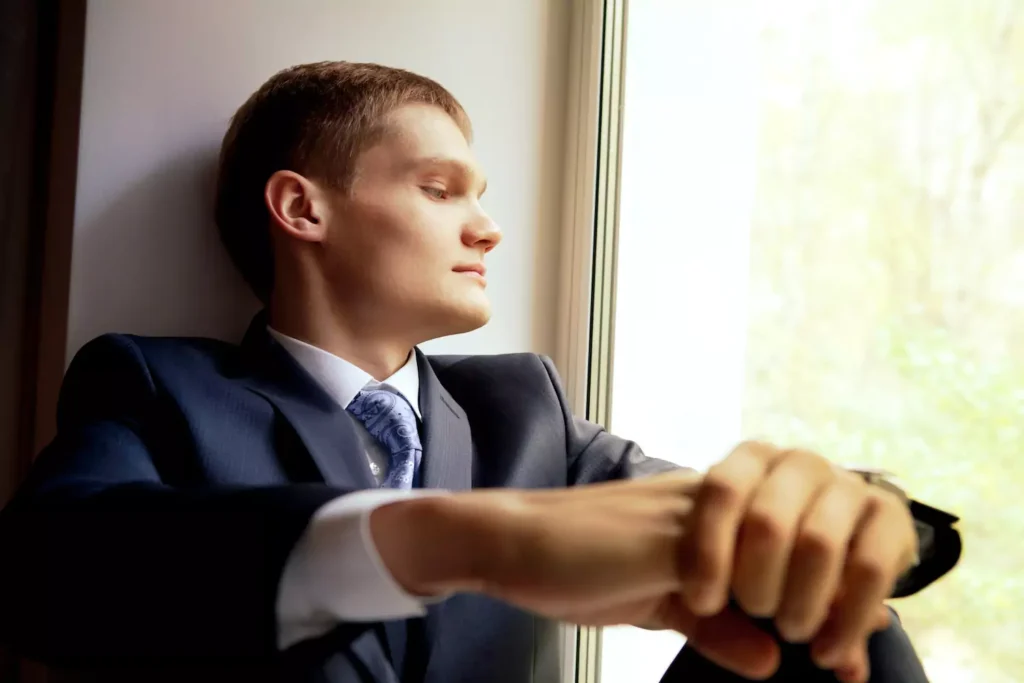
324	427
447	464
447	442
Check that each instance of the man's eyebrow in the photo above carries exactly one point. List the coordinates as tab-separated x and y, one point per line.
453	165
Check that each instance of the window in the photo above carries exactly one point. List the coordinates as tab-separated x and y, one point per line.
821	242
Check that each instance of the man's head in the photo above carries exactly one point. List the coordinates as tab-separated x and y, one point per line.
355	184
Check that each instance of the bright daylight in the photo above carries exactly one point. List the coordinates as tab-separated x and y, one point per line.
835	189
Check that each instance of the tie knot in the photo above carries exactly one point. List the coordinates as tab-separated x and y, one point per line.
375	408
390	419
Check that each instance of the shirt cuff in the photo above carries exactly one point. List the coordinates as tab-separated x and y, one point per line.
335	574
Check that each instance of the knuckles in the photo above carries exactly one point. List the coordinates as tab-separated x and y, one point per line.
869	572
889	503
806	460
706	566
763	528
720	491
817	546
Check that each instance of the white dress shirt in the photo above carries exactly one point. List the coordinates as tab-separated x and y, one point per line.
335	573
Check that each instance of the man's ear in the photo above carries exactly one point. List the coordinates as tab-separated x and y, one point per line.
296	205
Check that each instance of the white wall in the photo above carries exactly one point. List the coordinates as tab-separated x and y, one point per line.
162	79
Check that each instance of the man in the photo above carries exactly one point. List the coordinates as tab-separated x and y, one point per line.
325	502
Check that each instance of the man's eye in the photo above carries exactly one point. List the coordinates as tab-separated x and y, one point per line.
436	192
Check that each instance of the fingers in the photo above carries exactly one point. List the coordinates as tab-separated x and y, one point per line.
797	539
722	500
729	639
819	554
875	560
856	667
883	617
770	528
732	641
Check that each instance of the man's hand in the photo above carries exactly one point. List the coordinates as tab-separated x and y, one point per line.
794	538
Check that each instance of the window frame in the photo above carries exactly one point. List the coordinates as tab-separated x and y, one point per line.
586	307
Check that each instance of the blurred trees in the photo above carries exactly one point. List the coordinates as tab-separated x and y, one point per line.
887	281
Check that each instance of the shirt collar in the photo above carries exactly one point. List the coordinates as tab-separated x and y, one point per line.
343	380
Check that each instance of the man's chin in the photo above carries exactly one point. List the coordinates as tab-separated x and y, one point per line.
466	318
449	315
470	320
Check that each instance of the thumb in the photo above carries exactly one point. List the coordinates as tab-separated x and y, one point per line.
856	666
730	639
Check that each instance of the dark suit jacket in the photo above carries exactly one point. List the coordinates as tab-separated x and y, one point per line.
153	531
157	523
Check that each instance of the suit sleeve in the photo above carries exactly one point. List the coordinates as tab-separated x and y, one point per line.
102	559
593	454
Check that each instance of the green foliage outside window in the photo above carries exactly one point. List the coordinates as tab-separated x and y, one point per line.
887	281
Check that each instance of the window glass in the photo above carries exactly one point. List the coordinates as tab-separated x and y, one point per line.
821	242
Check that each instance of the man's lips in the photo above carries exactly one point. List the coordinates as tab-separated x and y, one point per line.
477	268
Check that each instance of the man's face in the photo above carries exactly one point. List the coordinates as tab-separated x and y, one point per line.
405	244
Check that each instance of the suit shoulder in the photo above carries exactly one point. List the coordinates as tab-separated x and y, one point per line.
506	370
188	350
117	370
110	351
505	362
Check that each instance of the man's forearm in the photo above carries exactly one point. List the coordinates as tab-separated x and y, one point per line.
444	544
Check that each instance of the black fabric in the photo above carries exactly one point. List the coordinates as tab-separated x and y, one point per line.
892	657
940	548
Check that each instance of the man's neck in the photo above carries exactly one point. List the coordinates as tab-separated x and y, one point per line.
377	354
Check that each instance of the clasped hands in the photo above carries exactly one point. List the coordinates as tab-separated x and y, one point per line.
784	533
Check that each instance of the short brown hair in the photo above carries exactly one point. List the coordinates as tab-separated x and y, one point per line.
313	119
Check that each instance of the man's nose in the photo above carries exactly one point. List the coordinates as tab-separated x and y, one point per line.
482	233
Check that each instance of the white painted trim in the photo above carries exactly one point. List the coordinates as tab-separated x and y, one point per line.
572	357
577	248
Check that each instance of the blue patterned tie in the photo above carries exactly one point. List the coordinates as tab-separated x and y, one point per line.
390	420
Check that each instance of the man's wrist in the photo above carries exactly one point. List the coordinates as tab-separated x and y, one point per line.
440	544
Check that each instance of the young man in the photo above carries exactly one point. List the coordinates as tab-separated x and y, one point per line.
325	502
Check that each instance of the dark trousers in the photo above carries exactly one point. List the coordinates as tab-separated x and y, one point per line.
892	656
